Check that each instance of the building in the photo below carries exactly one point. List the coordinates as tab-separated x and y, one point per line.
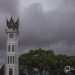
12	32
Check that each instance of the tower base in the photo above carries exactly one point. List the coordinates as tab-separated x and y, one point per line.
11	70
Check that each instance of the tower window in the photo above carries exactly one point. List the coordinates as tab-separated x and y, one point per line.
8	48
12	48
8	59
13	59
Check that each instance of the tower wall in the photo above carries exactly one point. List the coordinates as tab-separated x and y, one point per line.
11	65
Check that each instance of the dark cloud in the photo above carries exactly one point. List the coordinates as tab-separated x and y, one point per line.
70	2
54	29
46	28
42	29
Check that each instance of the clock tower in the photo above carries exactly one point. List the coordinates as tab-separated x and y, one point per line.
12	31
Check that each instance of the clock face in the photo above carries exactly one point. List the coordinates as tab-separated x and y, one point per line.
11	35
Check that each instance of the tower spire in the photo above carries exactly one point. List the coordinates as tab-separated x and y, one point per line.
7	22
17	23
11	20
13	25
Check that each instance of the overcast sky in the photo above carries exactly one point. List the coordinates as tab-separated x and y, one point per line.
49	24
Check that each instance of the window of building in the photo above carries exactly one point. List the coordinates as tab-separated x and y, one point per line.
10	71
8	48
13	59
8	59
12	48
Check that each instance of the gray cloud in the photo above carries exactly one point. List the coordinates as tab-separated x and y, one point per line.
8	6
53	29
72	2
47	27
43	29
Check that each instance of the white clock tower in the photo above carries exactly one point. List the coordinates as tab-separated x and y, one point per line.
12	31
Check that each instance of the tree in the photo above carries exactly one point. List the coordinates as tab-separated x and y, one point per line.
45	61
41	59
2	70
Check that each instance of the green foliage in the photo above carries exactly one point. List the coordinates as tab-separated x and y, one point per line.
2	70
45	61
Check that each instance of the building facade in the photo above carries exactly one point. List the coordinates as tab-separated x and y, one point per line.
12	33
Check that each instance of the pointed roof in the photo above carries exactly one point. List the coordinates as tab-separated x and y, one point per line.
17	22
11	21
13	25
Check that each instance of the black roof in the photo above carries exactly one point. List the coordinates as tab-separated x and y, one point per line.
13	25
